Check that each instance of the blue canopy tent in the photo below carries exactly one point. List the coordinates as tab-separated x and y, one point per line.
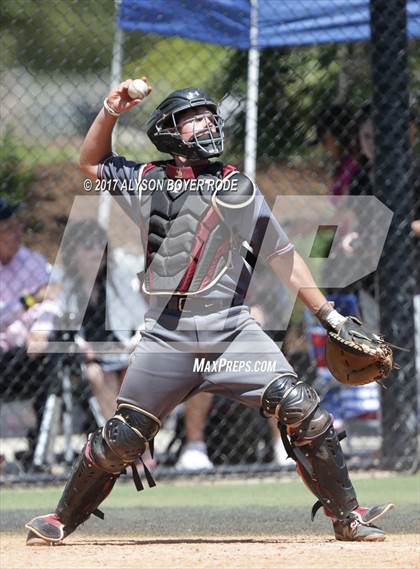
278	22
251	25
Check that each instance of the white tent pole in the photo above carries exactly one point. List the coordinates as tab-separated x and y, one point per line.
251	125
117	49
104	209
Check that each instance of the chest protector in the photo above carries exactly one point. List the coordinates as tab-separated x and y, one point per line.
188	245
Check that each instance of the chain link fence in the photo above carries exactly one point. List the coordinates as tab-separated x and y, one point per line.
319	108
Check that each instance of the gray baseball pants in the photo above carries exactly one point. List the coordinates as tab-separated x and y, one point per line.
224	352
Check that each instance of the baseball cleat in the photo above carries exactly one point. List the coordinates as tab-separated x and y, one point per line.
45	530
358	526
353	530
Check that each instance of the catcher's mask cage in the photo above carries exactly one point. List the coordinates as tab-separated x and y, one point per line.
163	130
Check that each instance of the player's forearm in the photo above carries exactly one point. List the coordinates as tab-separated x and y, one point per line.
295	274
97	143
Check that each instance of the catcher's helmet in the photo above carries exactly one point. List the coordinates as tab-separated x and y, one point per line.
163	131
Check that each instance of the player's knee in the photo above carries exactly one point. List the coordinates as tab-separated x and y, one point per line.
129	432
296	405
291	401
124	438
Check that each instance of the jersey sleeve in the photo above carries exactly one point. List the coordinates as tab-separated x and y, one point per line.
122	174
257	225
122	180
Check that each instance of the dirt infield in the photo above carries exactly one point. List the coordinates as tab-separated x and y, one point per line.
255	525
300	551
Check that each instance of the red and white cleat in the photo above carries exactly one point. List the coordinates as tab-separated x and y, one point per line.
358	525
370	515
45	530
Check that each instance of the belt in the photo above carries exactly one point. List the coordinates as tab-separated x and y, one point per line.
195	305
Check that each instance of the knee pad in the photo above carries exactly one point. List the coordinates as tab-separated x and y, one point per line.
296	406
124	438
129	432
289	400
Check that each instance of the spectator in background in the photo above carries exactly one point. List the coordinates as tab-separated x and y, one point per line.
369	293
362	297
338	130
26	320
362	184
84	251
194	455
415	228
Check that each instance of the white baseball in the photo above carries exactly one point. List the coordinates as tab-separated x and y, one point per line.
138	89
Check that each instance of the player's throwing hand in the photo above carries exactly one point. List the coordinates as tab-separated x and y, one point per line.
120	101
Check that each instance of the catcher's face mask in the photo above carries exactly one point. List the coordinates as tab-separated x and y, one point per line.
199	132
187	123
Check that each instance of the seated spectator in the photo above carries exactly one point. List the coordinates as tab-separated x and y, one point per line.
24	310
85	265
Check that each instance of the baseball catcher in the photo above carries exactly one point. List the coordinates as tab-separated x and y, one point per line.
195	214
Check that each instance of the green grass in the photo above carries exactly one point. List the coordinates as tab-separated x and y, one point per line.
402	490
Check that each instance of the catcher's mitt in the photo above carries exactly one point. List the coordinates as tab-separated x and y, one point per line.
356	356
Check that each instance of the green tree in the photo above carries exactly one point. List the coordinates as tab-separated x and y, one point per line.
60	35
14	177
295	86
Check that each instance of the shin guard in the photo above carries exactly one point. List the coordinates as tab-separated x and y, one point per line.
322	467
86	488
311	440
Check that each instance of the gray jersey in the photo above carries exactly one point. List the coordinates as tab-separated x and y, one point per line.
237	358
253	224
